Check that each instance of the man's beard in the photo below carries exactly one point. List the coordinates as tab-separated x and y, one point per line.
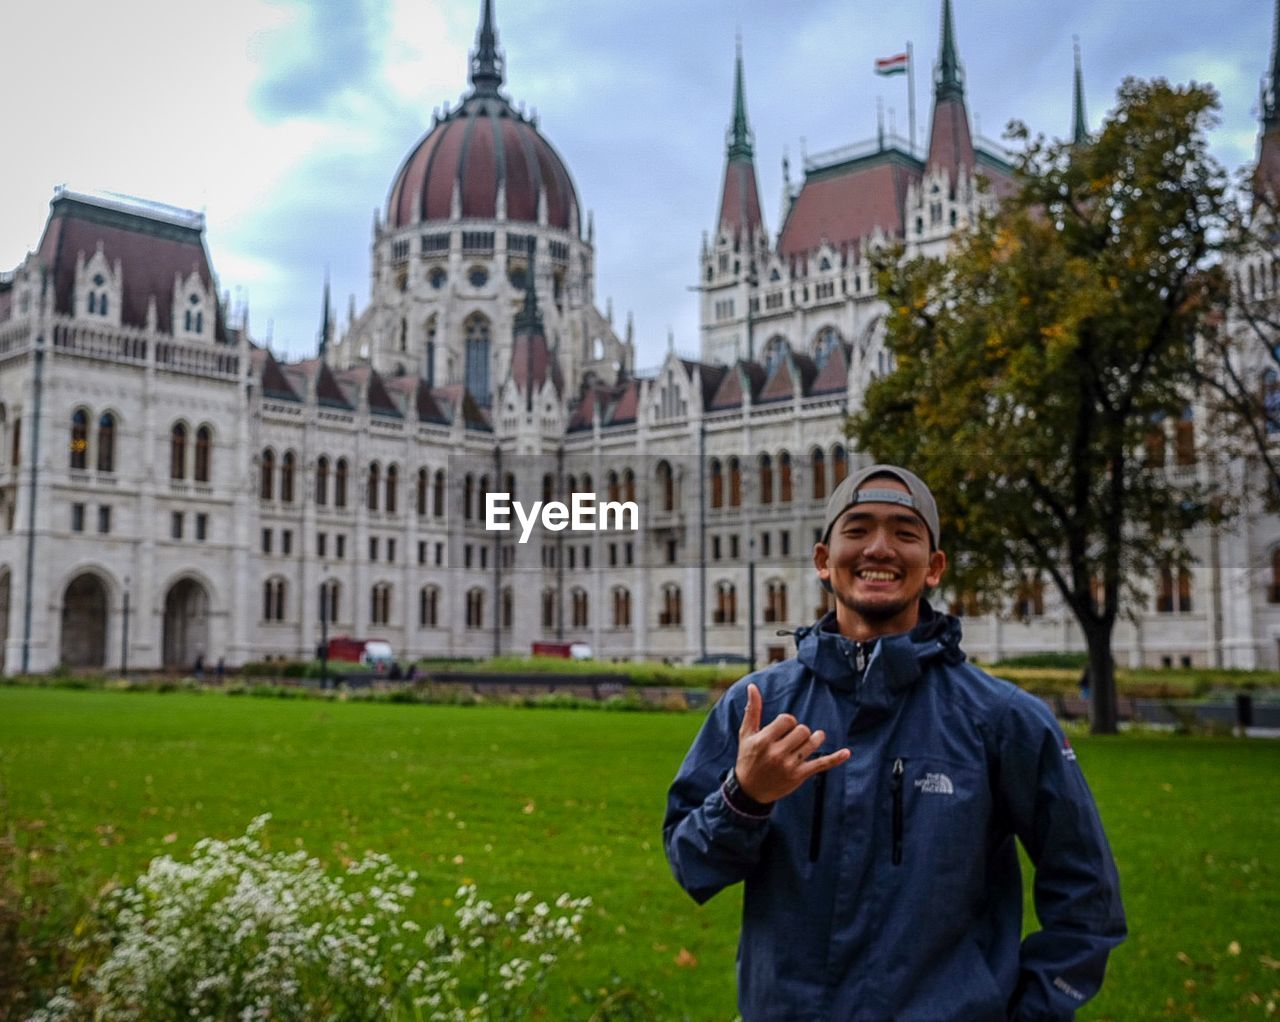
876	611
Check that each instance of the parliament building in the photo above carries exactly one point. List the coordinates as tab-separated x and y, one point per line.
171	491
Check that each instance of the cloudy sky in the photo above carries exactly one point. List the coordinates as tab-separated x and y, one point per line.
286	121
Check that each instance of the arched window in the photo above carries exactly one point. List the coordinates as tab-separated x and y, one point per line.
204	444
1271	401
475	608
1273	591
548	487
178	452
273	605
1184	591
579	600
429	607
669	616
1029	598
508	608
322	481
468	495
422	492
393	486
621	607
380	604
775	350
818	463
437	498
287	464
726	612
717	484
666	486
766	479
548	609
79	438
823	345
340	483
1184	445
266	488
775	605
107	442
1164	591
371	491
839	465
628	485
784	478
735	483
329	601
611	481
586	484
476	332
1155	443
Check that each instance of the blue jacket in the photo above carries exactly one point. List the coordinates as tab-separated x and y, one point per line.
889	888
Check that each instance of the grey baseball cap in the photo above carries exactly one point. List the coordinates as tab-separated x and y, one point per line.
860	488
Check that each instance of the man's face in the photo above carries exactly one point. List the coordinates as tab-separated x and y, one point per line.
878	562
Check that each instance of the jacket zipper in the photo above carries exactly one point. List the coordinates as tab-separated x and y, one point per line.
819	798
859	657
897	811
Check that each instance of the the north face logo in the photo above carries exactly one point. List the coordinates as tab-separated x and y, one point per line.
936	784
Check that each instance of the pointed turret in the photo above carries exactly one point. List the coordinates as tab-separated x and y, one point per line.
1266	176
532	361
740	195
950	141
1079	126
326	327
486	62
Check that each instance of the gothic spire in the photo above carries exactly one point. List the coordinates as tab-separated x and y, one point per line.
740	147
1271	91
948	79
1079	127
486	62
325	327
529	318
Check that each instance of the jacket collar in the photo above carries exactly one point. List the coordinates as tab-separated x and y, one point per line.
895	663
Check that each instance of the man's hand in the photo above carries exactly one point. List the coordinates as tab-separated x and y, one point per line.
774	761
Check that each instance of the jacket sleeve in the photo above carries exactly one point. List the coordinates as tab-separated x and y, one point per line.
1077	890
709	843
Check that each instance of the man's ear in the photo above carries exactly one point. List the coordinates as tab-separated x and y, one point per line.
937	567
821	562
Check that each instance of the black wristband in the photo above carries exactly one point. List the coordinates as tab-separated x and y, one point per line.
740	800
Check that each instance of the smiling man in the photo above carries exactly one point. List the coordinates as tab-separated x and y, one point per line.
874	818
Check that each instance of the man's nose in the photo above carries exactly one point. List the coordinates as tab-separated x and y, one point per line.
879	545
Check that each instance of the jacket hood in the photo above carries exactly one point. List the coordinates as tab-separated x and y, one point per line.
897	660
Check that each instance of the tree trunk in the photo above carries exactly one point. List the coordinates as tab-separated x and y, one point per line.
1104	713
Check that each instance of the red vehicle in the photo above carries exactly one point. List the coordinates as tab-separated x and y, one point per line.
563	650
343	647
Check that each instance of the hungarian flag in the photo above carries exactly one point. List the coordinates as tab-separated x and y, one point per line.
895	65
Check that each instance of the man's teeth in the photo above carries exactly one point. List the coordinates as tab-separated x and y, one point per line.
877	576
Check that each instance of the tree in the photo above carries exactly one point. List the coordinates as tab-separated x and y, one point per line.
1241	374
1034	361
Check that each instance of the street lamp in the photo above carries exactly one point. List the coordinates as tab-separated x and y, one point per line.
324	631
124	632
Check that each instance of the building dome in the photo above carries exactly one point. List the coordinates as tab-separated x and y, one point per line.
479	149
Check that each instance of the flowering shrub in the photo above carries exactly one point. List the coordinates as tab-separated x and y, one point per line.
243	933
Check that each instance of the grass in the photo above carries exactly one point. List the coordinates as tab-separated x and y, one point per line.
99	782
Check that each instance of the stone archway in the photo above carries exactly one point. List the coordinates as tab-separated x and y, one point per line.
84	623
186	624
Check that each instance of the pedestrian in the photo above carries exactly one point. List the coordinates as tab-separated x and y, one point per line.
199	667
868	793
220	670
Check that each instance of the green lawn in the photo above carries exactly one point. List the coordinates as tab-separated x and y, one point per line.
557	800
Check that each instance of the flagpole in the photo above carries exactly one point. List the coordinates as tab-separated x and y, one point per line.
911	95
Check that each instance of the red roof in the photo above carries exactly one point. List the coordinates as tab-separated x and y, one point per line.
532	363
740	198
1266	175
845	203
479	147
950	143
151	252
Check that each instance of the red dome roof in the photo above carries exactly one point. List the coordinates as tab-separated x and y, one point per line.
480	146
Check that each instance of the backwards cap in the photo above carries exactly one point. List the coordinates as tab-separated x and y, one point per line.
854	490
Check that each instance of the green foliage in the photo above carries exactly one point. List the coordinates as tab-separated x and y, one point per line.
1032	363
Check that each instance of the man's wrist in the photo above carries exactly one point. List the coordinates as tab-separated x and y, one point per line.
739	801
